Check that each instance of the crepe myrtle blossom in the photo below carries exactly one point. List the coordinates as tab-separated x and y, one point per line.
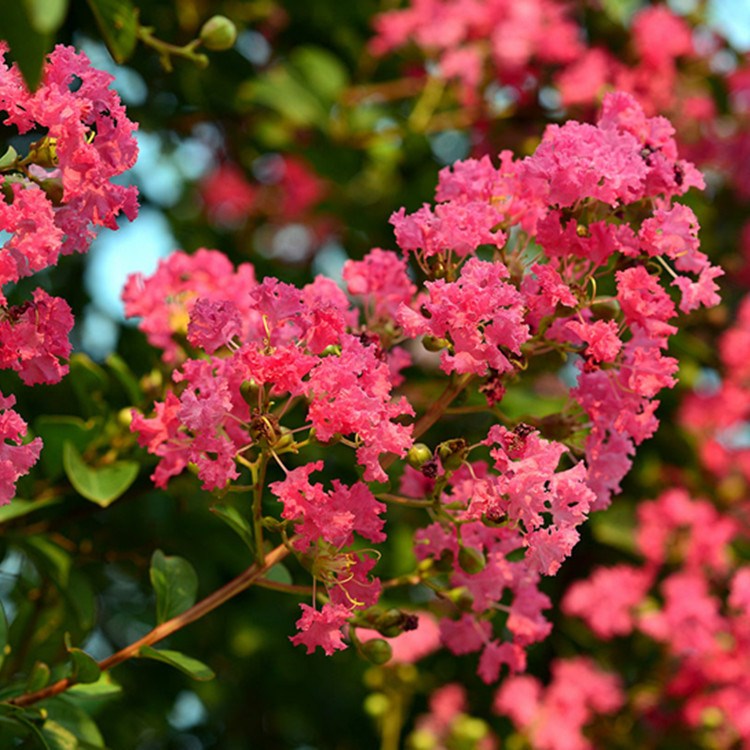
504	268
52	200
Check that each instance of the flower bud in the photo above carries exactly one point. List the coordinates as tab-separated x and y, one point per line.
377	651
218	34
418	455
471	560
452	453
53	187
434	344
462	598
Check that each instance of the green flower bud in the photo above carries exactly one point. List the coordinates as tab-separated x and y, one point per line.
53	187
377	651
461	598
218	34
434	344
418	455
452	453
471	560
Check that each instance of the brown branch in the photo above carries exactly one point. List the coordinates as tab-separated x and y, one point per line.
243	581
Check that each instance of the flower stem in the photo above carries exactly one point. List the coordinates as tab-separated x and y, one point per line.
243	581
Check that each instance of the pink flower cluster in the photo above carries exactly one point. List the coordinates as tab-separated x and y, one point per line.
51	201
288	191
525	45
463	37
569	198
553	717
275	338
718	413
54	198
527	507
701	617
512	258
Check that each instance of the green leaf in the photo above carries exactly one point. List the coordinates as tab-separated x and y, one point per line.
46	16
282	92
83	668
38	677
104	687
8	158
118	22
64	713
126	377
615	527
191	667
102	485
55	431
4	645
324	73
89	382
58	737
28	47
18	508
49	558
236	521
279	574
175	583
9	734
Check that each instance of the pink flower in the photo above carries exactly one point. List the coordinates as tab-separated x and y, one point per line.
381	280
607	598
34	337
165	300
213	324
16	458
321	628
553	718
481	313
227	195
332	516
601	337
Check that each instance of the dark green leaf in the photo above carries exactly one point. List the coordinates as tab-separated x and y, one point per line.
192	667
51	559
279	574
55	430
615	527
73	719
46	16
104	687
126	377
83	668
89	382
13	728
28	47
118	22
236	521
38	677
175	583
18	508
80	600
102	485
